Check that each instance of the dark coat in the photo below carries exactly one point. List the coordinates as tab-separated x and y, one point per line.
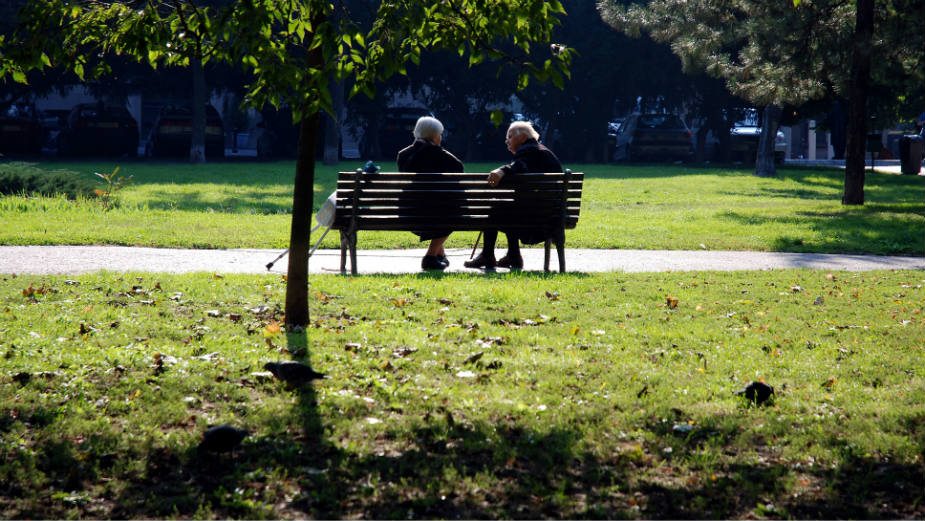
422	156
426	157
531	157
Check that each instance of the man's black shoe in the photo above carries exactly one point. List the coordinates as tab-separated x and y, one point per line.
482	261
511	262
432	262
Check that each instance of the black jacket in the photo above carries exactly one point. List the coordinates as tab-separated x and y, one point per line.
426	157
532	157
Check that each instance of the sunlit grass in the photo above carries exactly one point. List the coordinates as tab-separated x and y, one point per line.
247	205
510	395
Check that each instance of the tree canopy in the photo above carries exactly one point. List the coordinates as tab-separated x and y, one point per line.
788	53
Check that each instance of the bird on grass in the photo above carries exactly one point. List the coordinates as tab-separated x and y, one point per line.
293	373
757	392
222	438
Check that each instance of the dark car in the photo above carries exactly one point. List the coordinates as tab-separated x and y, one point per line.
172	133
98	129
20	131
654	137
743	141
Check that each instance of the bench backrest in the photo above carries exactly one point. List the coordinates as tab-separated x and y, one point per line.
457	201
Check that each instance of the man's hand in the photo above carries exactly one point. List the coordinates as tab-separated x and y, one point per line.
494	177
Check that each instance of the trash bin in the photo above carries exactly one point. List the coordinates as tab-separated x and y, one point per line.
911	148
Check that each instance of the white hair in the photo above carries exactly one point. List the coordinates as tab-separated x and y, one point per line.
519	128
427	128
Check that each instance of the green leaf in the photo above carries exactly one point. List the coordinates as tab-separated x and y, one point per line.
19	77
497	117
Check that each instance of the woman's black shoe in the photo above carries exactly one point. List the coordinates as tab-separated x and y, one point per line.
482	261
444	260
432	262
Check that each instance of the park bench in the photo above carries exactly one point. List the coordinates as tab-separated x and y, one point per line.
456	201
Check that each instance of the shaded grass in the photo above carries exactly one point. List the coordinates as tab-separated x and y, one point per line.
458	396
246	205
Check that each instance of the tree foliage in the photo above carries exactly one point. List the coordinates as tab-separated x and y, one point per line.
787	53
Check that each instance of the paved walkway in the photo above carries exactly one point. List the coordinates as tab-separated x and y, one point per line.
84	259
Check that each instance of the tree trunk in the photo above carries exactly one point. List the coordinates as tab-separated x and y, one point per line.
770	119
299	240
197	151
700	150
858	88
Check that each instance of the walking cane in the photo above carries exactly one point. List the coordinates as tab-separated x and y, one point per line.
310	252
474	246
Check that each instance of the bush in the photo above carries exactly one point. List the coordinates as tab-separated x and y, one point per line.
25	179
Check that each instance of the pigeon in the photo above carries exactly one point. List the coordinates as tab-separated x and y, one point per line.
757	392
293	373
222	438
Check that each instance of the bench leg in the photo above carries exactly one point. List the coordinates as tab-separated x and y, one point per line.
546	255
560	249
353	253
343	253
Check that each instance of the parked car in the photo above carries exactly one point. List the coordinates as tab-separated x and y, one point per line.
20	131
98	129
743	142
613	128
52	121
172	133
654	137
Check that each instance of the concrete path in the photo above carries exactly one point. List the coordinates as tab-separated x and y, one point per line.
85	259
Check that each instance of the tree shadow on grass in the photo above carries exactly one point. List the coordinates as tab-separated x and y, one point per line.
450	467
254	202
890	230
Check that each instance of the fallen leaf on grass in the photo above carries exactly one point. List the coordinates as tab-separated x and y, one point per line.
671	302
272	329
402	352
552	295
474	357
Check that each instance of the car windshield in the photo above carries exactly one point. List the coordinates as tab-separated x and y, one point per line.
660	121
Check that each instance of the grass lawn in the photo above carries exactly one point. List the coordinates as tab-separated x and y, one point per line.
469	396
246	205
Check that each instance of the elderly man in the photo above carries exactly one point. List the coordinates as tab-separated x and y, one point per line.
529	156
426	155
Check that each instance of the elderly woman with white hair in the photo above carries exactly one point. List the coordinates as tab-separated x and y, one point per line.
427	155
529	156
